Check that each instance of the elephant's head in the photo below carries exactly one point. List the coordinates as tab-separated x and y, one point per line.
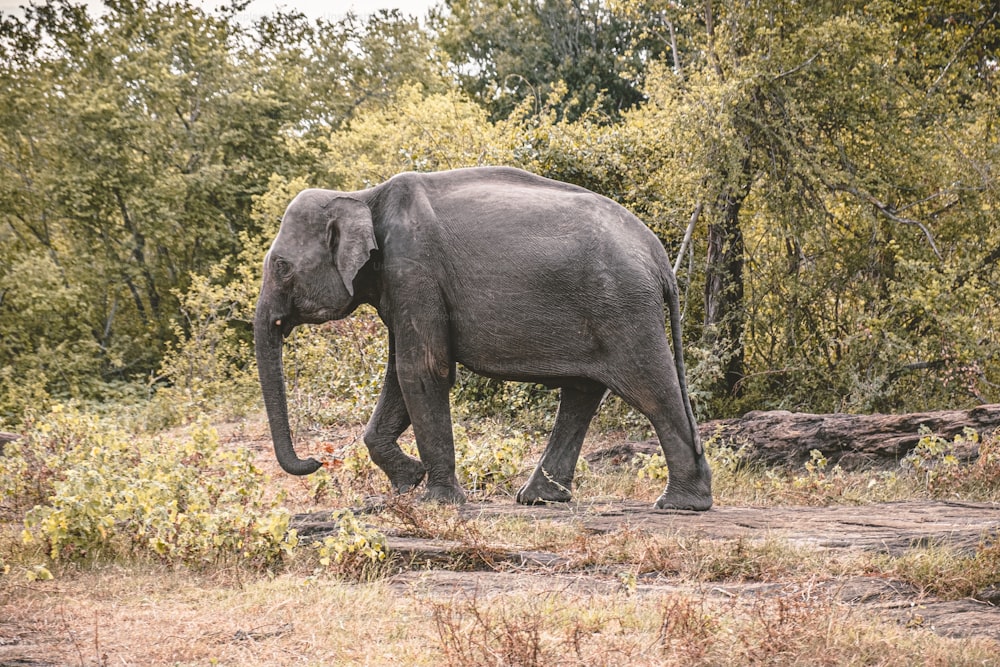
309	277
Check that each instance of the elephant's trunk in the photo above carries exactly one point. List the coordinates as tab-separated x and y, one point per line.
267	337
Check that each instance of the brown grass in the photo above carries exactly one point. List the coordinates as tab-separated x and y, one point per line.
629	596
155	616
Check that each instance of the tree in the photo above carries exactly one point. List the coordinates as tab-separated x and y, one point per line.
132	147
834	158
506	52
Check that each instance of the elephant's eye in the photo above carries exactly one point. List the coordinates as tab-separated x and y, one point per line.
282	268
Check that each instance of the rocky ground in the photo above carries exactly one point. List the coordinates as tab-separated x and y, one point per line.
889	528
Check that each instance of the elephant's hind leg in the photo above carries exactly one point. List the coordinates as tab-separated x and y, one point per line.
389	420
552	480
653	390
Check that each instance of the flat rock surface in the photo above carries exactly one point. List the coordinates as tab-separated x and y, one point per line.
889	528
886	527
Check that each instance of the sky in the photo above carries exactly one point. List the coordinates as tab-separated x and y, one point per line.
311	8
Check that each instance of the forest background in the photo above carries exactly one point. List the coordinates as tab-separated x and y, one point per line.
824	173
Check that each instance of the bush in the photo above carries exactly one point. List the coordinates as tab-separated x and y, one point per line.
491	462
95	490
44	352
939	470
355	552
210	364
334	371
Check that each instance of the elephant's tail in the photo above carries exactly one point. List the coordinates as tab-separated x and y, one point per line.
671	296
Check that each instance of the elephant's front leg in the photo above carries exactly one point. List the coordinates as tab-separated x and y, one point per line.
425	378
552	480
387	423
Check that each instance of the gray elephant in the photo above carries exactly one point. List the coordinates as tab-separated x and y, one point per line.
515	276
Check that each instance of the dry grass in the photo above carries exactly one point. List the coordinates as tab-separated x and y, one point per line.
679	629
629	596
160	617
153	616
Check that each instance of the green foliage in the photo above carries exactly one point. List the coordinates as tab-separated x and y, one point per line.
842	158
530	405
96	491
127	168
334	372
354	551
936	465
210	367
421	132
727	461
651	466
933	457
55	354
505	53
133	145
491	461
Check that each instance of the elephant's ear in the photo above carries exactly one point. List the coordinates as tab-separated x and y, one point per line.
350	237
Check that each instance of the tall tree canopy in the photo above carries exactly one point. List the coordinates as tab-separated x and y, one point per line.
824	172
132	145
504	52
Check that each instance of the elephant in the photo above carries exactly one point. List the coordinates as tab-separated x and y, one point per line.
516	277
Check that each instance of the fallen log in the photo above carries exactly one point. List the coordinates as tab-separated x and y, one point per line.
787	438
782	438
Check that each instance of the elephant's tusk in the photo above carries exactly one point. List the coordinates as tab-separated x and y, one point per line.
277	323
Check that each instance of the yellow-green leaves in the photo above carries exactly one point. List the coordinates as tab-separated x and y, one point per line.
354	544
95	490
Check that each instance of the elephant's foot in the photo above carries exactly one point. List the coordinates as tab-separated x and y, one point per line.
451	494
671	500
688	492
542	489
405	474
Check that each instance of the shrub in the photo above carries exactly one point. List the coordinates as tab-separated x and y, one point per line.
355	551
939	470
527	405
492	461
334	371
95	490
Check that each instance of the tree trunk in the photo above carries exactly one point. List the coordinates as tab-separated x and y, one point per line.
724	312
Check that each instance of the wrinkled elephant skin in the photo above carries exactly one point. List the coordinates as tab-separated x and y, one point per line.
516	277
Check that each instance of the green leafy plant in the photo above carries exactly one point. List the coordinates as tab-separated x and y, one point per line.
934	460
354	551
491	461
651	466
819	481
95	490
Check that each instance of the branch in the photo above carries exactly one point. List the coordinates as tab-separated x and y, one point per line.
892	214
889	213
673	50
687	236
798	68
968	40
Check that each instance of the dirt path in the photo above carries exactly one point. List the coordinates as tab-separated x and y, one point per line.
889	528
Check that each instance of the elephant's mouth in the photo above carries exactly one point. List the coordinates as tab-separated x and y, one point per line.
290	321
285	324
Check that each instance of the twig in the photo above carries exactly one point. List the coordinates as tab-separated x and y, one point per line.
892	214
687	236
802	66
